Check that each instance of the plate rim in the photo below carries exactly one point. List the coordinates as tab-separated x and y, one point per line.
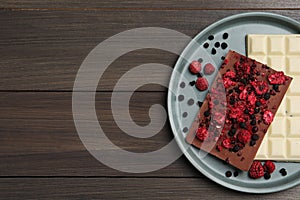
170	111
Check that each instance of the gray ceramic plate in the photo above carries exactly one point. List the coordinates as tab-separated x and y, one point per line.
182	98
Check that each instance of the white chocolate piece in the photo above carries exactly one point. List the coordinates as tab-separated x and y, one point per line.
282	53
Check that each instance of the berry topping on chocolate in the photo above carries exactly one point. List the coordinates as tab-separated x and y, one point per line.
261	87
256	170
209	69
244	136
202	133
201	84
277	78
268	117
195	67
237	111
226	143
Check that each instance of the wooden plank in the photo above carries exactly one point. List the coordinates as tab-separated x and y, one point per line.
155	4
38	135
126	188
42	50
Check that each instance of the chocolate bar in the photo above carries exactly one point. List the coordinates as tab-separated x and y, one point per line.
282	52
239	108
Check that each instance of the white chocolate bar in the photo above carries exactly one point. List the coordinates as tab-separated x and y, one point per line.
282	53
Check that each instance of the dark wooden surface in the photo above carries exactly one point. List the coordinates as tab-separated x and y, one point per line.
42	45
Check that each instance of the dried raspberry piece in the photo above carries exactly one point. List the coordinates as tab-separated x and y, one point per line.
219	117
209	69
256	170
243	94
230	74
226	143
277	78
202	84
269	167
202	133
260	87
195	67
252	98
244	136
268	117
246	68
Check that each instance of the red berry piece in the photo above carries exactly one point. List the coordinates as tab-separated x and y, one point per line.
202	84
195	67
268	117
277	78
244	136
202	134
269	167
209	69
260	87
256	170
226	143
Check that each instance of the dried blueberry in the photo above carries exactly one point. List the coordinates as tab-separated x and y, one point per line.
276	87
243	125
256	109
211	37
267	175
228	174
206	45
254	129
192	83
206	113
213	51
200	103
255	137
225	36
224	45
236	148
252	143
253	122
267	96
257	104
243	81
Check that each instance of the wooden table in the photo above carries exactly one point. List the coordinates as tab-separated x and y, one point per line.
43	44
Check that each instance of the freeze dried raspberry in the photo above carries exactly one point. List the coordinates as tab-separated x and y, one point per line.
209	69
228	79
243	94
276	78
268	117
202	133
230	74
244	136
202	84
252	98
269	167
226	143
256	170
195	67
219	117
260	87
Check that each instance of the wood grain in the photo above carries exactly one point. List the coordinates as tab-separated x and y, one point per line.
154	4
126	188
42	50
38	135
